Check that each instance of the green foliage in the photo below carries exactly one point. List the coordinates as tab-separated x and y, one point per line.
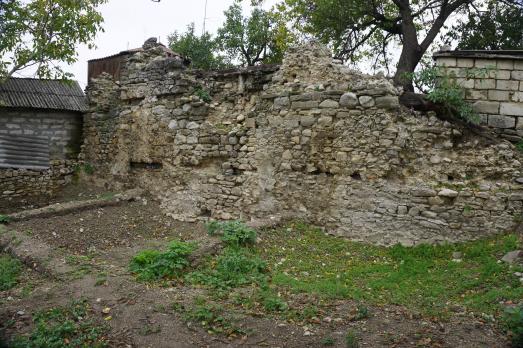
519	146
351	340
262	37
10	270
498	27
328	341
233	268
233	233
149	265
40	33
212	317
423	278
513	320
86	168
203	94
63	327
201	50
4	219
444	90
270	301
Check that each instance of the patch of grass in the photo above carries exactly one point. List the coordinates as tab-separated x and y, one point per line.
233	268
150	265
272	302
351	340
10	270
513	320
4	219
81	263
67	326
233	233
423	278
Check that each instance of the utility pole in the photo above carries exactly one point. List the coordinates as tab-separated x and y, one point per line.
204	17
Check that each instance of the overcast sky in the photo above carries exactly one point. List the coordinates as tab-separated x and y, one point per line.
128	23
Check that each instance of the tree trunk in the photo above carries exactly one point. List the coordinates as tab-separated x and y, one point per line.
411	55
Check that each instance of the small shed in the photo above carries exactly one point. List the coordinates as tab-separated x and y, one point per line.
40	121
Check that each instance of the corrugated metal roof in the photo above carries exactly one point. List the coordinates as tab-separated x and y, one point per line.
42	94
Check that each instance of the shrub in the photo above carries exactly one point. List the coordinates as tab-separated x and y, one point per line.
153	265
233	233
202	94
514	322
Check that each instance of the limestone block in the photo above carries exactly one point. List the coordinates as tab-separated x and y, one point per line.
447	61
476	95
325	120
507	85
349	100
518	65
465	62
485	84
329	104
486	107
465	83
500	121
307	121
448	193
498	95
366	101
507	64
304	104
517	75
485	63
517	97
514	109
387	102
500	74
281	103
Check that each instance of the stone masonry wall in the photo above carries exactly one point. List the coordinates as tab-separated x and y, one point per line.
311	140
63	130
494	86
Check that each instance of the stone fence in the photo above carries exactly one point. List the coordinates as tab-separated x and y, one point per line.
310	139
493	81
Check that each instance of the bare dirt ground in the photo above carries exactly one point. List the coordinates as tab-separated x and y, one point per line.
98	244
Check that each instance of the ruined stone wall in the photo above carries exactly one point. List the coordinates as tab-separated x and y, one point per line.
63	133
494	85
310	140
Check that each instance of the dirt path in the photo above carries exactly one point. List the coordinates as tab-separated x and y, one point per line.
90	250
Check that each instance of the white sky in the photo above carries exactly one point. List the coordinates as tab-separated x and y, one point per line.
128	23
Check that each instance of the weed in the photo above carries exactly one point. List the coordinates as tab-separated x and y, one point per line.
4	219
351	340
203	94
233	233
149	265
271	302
233	268
101	279
10	270
328	341
362	313
519	146
212	318
81	263
513	320
63	327
86	168
148	329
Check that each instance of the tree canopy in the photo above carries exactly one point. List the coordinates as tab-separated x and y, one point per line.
262	37
202	50
371	28
40	33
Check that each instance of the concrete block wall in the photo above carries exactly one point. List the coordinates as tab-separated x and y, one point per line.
493	81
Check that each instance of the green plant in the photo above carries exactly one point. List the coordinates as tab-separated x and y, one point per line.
519	146
150	265
203	94
67	326
328	341
4	219
444	90
212	317
10	270
233	233
362	313
233	268
271	302
513	320
351	340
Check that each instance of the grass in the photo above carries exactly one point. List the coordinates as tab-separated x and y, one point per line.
423	278
10	270
67	326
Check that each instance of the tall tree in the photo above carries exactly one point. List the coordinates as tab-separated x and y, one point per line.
498	26
259	38
201	50
357	28
40	33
